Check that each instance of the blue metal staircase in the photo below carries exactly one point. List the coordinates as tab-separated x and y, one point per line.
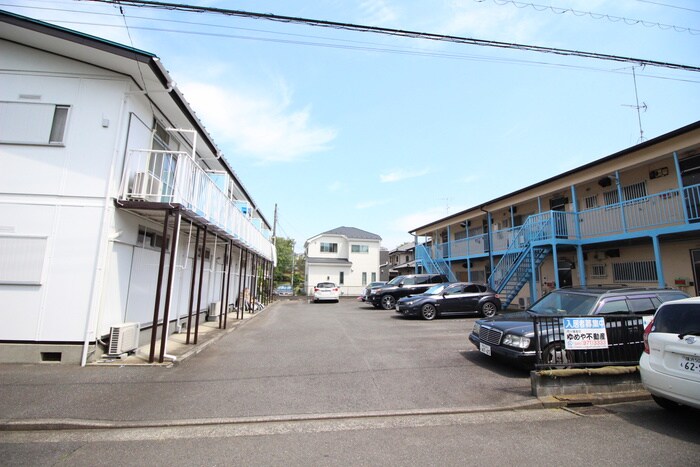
434	266
515	267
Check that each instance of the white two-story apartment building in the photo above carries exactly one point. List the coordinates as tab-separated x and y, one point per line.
120	220
347	256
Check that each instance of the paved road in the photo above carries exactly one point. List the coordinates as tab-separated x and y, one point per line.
326	384
295	358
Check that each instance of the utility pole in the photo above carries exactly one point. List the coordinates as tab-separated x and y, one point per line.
274	227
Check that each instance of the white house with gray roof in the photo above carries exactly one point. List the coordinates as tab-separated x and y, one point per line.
347	256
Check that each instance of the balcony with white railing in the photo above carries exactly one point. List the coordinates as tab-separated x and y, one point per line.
671	210
174	178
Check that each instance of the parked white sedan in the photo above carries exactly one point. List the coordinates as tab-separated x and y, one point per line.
670	364
325	291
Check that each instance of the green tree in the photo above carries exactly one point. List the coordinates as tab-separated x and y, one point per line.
285	261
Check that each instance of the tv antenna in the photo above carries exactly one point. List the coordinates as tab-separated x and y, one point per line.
637	106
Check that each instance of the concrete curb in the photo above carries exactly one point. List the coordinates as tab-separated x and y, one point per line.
550	402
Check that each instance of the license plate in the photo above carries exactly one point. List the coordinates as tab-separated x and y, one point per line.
485	349
397	308
691	364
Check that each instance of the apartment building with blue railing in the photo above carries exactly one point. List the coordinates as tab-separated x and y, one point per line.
631	218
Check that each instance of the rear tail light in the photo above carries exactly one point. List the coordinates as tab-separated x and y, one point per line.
315	289
336	289
647	330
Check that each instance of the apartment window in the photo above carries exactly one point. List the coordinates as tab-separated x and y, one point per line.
591	202
22	259
149	238
329	247
359	248
629	192
598	270
33	123
374	277
341	278
364	278
635	271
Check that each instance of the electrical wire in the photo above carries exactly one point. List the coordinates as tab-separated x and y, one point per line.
613	19
669	6
398	32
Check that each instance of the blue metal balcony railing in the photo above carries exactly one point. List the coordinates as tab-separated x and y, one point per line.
671	208
175	178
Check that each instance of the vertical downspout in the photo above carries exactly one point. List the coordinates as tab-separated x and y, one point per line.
488	227
533	277
681	188
659	264
159	284
621	200
579	247
469	256
169	288
199	289
194	278
449	249
100	269
415	263
555	257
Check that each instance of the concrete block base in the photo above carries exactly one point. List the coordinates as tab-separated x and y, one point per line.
585	381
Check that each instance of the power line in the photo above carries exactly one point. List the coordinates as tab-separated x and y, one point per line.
613	19
669	6
398	32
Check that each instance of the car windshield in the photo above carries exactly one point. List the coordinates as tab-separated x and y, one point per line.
325	285
396	280
564	303
435	290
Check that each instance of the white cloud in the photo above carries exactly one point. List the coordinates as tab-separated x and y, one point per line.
401	174
263	127
336	186
377	12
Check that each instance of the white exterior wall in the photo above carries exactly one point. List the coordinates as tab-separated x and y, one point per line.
359	263
57	192
95	274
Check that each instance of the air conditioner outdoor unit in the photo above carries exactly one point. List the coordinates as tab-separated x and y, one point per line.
146	187
123	338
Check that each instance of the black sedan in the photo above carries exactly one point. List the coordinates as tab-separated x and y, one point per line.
457	298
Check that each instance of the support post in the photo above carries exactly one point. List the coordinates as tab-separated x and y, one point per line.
555	258
159	284
239	299
199	292
169	288
224	271
228	280
659	264
192	282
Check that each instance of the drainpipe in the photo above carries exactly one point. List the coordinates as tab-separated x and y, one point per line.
488	237
621	200
101	261
659	264
579	248
681	188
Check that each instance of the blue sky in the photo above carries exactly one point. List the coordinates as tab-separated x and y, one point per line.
386	134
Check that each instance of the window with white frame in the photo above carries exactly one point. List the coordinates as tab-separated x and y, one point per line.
359	248
364	278
635	271
374	277
598	270
149	238
341	278
629	192
33	123
329	247
591	202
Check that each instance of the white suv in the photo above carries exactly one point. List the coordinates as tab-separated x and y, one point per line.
670	364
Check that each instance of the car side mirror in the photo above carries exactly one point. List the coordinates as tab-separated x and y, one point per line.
400	285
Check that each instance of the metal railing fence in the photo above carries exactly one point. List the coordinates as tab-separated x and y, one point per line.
624	337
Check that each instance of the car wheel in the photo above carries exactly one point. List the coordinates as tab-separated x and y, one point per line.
555	354
665	403
428	311
388	302
488	309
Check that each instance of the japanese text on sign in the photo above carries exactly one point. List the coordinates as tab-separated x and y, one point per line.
585	333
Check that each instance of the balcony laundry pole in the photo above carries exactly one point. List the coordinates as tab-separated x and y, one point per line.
192	282
169	287
681	188
201	280
579	248
621	200
159	283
